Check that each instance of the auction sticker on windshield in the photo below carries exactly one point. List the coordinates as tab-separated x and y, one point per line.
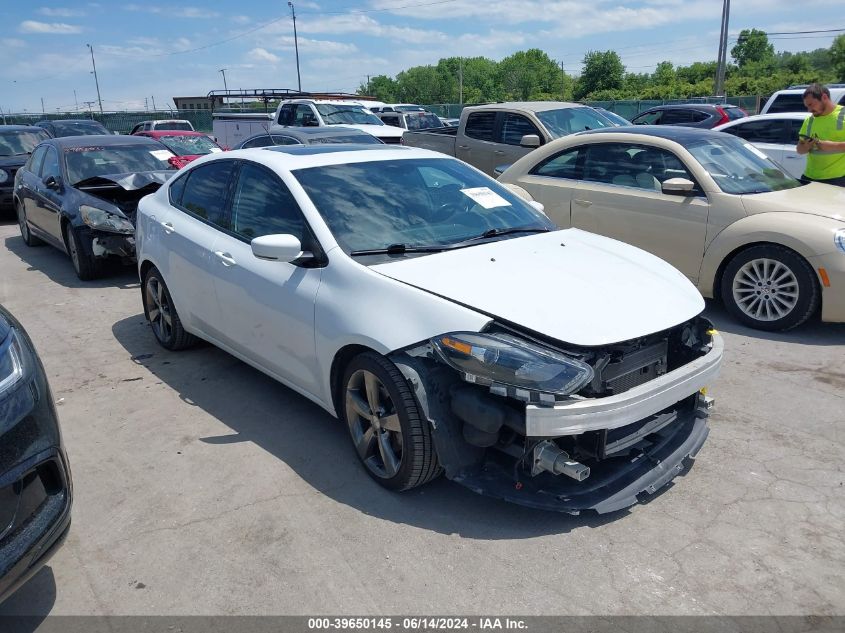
486	197
161	154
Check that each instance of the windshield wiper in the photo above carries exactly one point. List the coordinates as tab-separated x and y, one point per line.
398	249
506	231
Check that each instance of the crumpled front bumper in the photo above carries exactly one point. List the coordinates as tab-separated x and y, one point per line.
591	414
105	244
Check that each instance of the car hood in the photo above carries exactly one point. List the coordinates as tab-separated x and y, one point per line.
377	130
570	285
13	161
129	181
827	201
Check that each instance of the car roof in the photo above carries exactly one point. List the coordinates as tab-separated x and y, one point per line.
69	121
794	116
690	106
17	128
312	132
531	106
678	133
101	140
292	157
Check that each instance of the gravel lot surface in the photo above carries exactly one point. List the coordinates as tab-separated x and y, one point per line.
204	487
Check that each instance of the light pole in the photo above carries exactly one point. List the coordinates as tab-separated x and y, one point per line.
96	80
723	50
223	70
296	46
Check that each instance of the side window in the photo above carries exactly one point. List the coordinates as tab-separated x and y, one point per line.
515	126
480	125
630	165
649	118
263	205
304	115
286	115
563	165
696	116
676	117
148	127
206	191
788	103
762	131
794	127
51	164
176	189
34	163
391	119
259	141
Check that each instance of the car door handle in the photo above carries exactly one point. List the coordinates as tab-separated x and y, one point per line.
499	152
583	203
168	227
463	146
791	157
225	258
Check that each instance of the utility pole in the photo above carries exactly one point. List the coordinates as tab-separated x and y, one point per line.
296	46
90	105
562	81
223	70
723	51
42	106
146	104
154	102
461	80
368	84
96	79
75	100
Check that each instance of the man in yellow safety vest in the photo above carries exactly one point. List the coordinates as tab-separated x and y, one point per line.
822	137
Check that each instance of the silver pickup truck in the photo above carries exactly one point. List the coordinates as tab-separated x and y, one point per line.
501	133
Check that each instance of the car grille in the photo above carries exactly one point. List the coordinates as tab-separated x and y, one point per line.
392	140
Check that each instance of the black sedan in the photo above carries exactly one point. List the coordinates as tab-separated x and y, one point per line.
284	135
80	194
35	483
16	143
73	127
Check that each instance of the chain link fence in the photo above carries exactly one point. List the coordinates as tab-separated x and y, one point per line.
122	122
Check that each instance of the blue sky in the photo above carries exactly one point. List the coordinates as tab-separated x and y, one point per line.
149	51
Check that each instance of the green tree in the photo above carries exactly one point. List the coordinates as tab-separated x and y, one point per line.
382	88
837	57
752	46
530	74
603	71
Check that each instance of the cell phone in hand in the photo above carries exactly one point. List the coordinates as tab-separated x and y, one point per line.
805	138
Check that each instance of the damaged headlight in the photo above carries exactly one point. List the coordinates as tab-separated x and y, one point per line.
500	359
105	220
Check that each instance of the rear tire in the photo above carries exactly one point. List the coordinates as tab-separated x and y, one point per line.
161	313
28	238
393	440
770	287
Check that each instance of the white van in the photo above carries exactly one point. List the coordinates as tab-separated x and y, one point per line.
792	99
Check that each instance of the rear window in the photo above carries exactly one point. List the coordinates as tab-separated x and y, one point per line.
788	103
174	125
734	113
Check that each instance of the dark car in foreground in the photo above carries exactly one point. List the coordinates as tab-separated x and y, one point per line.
16	143
73	127
703	115
80	194
35	484
281	135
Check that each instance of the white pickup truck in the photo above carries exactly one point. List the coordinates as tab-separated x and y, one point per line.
320	112
496	134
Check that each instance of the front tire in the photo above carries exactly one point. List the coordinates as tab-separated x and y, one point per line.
770	287
392	439
28	238
84	263
162	315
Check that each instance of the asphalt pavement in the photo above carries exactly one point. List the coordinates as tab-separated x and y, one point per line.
204	487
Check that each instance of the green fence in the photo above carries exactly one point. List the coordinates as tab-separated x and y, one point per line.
628	109
122	122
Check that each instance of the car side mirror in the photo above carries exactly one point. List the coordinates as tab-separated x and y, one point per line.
278	248
530	140
677	187
51	182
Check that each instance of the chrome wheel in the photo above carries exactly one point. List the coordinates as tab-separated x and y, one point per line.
765	289
158	307
374	424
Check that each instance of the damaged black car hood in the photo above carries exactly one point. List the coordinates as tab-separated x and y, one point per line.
129	181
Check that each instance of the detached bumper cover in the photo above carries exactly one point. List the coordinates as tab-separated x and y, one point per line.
635	404
104	244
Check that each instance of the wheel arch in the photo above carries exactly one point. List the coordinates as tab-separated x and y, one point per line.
340	362
720	271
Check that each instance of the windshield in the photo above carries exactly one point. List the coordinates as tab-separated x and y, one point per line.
80	128
189	145
408	108
334	114
570	120
423	202
16	142
739	167
85	162
616	119
362	138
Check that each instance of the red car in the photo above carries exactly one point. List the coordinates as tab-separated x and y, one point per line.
186	145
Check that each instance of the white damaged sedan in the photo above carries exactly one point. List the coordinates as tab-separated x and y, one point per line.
443	318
